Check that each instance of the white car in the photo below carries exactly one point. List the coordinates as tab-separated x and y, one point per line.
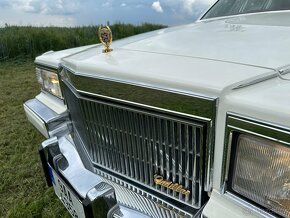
188	121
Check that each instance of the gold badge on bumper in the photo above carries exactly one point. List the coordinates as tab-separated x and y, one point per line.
106	38
158	180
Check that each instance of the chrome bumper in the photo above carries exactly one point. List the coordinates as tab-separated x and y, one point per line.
62	156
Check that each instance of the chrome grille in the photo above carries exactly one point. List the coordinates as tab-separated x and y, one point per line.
137	143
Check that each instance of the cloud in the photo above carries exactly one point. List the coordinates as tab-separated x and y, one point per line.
89	12
106	4
57	7
157	7
22	18
185	8
188	5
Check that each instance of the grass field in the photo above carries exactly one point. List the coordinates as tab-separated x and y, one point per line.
16	41
23	191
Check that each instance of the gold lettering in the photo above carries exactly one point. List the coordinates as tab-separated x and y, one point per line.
158	179
168	184
178	189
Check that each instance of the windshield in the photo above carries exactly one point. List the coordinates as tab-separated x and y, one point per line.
232	7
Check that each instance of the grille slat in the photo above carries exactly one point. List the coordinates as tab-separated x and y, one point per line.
92	128
131	146
173	152
150	154
155	147
179	157
138	143
134	144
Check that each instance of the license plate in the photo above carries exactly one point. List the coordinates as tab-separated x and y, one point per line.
71	202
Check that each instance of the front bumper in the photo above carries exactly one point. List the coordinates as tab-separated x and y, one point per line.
97	197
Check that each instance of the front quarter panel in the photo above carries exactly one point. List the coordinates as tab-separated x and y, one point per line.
267	102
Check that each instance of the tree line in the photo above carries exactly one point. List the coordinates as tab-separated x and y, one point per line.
28	41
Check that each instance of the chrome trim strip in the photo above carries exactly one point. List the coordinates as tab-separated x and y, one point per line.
46	67
202	107
263	78
228	156
243	124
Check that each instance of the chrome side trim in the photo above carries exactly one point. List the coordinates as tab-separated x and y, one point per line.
257	80
243	124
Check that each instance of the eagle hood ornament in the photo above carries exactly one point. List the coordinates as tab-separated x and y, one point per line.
106	38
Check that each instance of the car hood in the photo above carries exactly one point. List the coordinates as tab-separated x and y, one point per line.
260	39
204	58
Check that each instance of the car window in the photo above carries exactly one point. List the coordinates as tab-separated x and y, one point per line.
232	7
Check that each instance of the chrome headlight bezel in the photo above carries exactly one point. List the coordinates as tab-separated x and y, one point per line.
49	81
237	126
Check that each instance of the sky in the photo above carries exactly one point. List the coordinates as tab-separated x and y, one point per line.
94	12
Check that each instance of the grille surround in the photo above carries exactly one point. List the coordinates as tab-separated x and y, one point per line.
82	109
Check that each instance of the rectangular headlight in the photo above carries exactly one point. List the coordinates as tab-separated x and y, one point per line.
261	173
49	81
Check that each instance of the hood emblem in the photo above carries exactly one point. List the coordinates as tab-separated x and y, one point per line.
158	180
106	38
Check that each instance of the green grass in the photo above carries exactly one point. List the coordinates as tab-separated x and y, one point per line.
23	191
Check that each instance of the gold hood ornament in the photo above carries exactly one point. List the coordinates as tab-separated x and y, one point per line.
106	38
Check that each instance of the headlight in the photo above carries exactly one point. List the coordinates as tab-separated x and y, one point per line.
49	81
261	173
